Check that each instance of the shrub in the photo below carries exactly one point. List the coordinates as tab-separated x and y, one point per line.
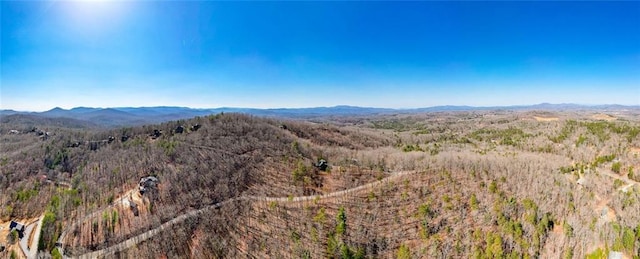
493	187
568	254
13	237
410	148
568	229
628	239
425	211
617	183
341	219
494	246
300	172
295	236
615	167
320	216
581	139
403	252
273	205
473	202
603	159
56	254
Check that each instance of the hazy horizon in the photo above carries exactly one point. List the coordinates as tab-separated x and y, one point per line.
205	54
314	107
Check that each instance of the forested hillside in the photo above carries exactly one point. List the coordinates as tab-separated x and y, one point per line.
434	185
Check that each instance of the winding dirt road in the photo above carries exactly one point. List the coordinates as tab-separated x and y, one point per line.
150	233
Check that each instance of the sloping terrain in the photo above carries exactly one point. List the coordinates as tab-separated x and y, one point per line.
435	185
226	156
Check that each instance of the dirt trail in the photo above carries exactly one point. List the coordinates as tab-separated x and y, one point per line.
626	187
629	182
150	233
602	208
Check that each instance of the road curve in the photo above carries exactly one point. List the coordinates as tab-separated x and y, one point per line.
150	233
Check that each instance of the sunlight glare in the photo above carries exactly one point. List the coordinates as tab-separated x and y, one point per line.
95	17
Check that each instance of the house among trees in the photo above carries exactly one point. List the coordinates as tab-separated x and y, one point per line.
44	135
74	144
18	227
156	134
147	183
322	165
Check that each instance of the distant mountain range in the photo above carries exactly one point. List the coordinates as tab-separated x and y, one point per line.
128	116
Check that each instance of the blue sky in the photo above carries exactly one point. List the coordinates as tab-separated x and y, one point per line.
307	54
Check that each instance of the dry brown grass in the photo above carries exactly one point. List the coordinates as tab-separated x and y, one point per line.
602	116
545	119
4	231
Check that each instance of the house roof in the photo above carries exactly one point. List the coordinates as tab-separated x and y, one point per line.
16	225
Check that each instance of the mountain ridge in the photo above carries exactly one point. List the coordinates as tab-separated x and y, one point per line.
128	116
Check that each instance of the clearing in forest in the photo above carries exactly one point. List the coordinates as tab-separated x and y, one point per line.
538	118
602	116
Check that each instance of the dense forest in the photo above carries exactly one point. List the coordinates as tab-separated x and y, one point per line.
482	184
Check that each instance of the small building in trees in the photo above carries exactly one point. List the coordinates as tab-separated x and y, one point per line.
156	134
94	145
147	183
44	135
322	165
18	227
74	144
